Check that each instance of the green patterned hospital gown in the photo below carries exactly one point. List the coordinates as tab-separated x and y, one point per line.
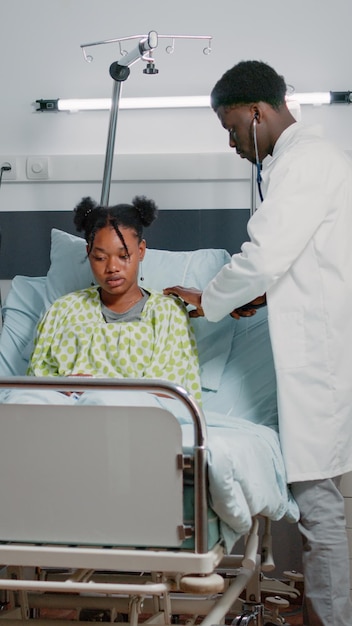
73	338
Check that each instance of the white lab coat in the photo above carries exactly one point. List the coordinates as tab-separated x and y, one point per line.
300	255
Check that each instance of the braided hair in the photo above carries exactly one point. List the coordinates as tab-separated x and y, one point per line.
90	217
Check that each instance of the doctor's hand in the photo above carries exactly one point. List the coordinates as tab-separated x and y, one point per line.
247	310
190	295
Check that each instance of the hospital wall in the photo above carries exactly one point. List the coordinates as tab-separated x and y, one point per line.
180	157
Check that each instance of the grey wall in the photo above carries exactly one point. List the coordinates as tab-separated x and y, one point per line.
41	58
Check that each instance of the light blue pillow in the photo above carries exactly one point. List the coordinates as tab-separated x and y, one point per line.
69	265
22	309
70	271
195	268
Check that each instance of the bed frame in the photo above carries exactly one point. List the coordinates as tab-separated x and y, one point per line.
102	534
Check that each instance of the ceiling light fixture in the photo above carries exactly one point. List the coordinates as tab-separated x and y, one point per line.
104	104
177	102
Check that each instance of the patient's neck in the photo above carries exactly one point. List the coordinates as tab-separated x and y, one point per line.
120	303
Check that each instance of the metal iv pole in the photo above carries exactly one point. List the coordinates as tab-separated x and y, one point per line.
120	72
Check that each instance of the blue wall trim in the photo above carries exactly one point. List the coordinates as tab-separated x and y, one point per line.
25	244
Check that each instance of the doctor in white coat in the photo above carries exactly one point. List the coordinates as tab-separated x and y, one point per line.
298	257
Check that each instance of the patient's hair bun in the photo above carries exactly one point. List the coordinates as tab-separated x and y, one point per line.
84	213
147	209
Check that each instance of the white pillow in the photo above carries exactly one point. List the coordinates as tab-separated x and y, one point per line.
70	270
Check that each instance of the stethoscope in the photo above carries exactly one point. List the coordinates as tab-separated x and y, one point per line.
257	162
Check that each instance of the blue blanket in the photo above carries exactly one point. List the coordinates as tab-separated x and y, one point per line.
247	475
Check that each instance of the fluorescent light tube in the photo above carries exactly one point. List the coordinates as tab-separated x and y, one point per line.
104	104
178	102
314	97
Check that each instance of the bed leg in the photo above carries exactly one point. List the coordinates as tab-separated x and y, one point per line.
167	608
268	563
224	604
17	574
253	588
251	547
136	603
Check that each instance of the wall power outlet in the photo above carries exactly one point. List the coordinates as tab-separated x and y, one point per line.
8	161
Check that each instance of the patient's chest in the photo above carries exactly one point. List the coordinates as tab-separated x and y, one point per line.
126	349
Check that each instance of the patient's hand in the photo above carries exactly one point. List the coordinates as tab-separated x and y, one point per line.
247	310
190	295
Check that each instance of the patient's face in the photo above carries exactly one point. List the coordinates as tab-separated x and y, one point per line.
116	269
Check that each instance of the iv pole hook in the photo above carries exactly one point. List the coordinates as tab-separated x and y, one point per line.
120	72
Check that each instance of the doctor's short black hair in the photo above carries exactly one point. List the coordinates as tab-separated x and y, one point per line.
249	82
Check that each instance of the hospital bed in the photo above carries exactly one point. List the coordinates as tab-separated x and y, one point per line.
134	509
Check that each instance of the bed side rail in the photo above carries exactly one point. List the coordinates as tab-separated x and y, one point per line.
154	386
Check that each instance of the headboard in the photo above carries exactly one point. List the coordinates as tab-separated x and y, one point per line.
25	247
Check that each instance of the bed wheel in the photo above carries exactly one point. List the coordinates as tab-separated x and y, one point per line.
293	576
214	583
274	604
252	613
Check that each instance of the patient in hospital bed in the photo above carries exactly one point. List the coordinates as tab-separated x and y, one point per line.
115	328
237	377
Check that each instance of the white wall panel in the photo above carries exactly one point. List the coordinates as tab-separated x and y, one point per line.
129	167
174	181
41	58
